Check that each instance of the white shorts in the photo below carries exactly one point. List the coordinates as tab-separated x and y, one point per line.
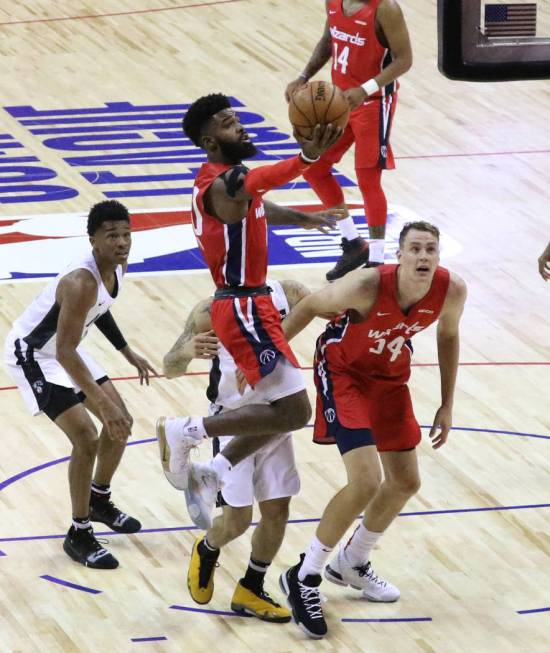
32	379
285	380
270	473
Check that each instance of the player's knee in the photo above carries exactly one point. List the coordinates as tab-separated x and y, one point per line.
293	412
408	484
85	442
362	490
238	523
302	412
276	511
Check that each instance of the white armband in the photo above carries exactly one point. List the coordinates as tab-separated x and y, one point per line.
370	87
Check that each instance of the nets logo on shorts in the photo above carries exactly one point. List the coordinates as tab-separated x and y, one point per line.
163	241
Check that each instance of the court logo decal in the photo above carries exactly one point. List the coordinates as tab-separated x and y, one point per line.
163	242
123	150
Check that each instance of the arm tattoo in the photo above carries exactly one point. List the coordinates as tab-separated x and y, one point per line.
294	291
175	363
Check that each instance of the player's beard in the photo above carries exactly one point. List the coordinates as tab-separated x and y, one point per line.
236	152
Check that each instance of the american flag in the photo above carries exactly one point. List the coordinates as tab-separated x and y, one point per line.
511	20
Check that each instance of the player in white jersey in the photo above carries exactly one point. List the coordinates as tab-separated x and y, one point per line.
56	376
268	476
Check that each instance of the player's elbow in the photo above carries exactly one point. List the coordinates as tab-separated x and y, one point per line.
168	368
64	353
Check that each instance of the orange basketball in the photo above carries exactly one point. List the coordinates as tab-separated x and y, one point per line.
317	103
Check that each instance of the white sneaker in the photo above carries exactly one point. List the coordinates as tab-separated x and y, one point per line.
200	494
175	448
361	577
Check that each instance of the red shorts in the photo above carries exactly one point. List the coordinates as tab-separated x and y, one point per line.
381	409
250	329
369	128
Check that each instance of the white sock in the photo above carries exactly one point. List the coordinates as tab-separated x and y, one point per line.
376	250
220	465
316	556
360	544
194	427
348	228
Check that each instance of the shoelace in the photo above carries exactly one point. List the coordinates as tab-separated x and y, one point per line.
368	571
312	600
95	543
265	596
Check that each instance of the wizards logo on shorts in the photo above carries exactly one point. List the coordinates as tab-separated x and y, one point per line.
163	242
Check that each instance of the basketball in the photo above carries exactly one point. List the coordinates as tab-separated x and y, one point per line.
317	103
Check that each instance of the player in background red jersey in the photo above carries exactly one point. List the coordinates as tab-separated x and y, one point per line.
369	45
362	365
230	222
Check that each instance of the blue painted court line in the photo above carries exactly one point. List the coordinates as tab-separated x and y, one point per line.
2	554
205	611
533	611
72	586
33	470
311	520
148	639
395	620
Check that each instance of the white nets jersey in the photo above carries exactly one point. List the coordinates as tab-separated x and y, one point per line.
222	388
37	326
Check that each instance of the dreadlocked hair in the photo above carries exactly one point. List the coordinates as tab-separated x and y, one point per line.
200	113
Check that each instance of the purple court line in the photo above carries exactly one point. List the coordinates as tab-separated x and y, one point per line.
9	481
72	586
119	13
2	554
148	639
383	621
221	613
533	611
310	520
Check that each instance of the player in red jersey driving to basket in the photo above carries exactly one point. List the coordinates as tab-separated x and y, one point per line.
230	220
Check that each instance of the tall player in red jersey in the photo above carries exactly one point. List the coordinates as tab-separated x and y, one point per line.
369	45
230	222
362	365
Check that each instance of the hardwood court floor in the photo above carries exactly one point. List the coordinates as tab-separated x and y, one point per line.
470	553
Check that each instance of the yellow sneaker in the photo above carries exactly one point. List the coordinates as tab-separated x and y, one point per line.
261	605
200	575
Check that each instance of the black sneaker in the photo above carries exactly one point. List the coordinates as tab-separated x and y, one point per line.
106	512
304	598
82	546
354	254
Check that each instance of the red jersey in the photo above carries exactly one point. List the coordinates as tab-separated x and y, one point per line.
235	253
377	347
357	54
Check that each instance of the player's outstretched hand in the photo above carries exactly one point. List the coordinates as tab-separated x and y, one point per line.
544	263
442	423
141	364
324	220
323	137
293	87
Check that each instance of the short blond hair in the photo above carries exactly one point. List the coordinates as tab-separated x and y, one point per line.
419	225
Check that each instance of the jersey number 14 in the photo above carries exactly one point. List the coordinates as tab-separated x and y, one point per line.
340	59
